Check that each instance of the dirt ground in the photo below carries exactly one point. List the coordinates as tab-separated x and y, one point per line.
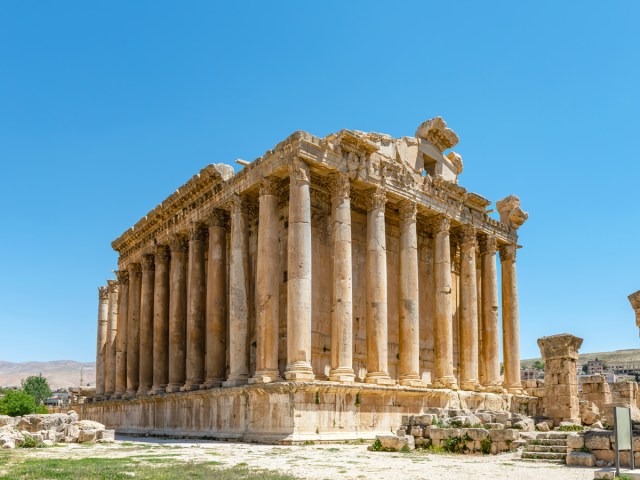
326	461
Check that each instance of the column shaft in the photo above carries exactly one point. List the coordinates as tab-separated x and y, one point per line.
238	295
146	325
490	340
121	336
468	375
299	275
103	314
216	342
112	330
510	323
268	286
342	311
195	310
409	297
177	312
376	311
133	330
443	333
161	320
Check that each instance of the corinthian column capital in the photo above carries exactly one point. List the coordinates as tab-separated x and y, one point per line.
407	210
488	244
148	264
178	243
299	171
468	236
507	252
440	224
340	185
197	232
268	186
123	277
103	293
376	199
217	218
135	270
163	254
113	286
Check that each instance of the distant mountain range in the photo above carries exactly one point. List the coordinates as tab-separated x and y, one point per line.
59	373
617	356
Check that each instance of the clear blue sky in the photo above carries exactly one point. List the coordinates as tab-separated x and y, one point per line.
107	107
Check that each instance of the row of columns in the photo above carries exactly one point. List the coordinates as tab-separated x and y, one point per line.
161	336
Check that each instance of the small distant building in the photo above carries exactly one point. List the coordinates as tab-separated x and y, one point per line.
531	374
595	367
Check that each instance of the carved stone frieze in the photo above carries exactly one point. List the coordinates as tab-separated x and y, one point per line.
435	131
510	212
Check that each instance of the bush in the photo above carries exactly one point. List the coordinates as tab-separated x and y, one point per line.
42	409
455	445
485	445
571	428
17	403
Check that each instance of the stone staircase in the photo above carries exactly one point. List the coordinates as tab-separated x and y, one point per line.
546	447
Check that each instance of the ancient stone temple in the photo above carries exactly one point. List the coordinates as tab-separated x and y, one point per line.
329	287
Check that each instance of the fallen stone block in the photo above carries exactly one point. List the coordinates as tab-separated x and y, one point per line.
581	459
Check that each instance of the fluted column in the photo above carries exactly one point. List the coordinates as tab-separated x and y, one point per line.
195	309
490	345
133	330
268	286
238	295
103	315
177	312
121	336
216	342
409	295
376	311
443	333
146	325
299	275
161	320
112	330
342	309
468	375
510	323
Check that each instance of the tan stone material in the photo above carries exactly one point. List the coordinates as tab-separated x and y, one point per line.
133	330
146	324
195	308
634	299
121	337
103	314
112	331
490	309
510	320
468	311
161	320
177	312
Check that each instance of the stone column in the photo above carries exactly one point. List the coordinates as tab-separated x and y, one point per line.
268	286
443	333
133	330
299	275
409	306
468	375
490	340
121	337
376	311
216	341
103	315
479	310
238	295
112	330
161	320
559	354
510	321
342	311
177	312
195	309
146	325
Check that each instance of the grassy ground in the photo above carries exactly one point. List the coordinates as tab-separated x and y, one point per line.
15	466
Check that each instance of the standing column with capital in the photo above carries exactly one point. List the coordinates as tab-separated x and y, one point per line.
103	314
112	331
133	330
238	294
342	309
121	336
409	294
268	286
376	311
443	333
510	323
161	320
195	309
468	375
146	325
299	274
177	312
490	340
216	311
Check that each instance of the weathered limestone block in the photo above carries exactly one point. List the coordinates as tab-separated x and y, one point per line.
597	440
589	412
477	434
494	426
581	459
87	435
542	427
396	443
106	436
575	441
505	435
417	431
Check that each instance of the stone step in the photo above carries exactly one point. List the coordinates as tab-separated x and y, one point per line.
544	455
547	448
552	435
546	441
543	460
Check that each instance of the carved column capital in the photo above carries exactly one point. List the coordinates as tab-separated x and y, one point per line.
376	199
113	286
178	243
163	254
299	171
241	204
507	252
340	185
148	264
218	218
135	270
468	236
407	210
103	293
488	244
197	232
268	186
123	277
440	224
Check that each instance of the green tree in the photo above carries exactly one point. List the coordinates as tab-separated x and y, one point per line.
538	365
16	403
38	387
